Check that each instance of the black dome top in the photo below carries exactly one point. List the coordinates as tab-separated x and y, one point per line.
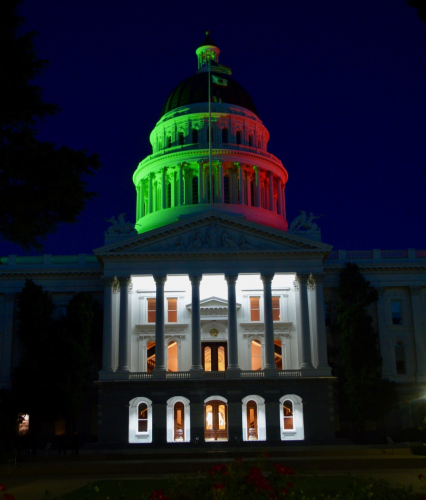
195	90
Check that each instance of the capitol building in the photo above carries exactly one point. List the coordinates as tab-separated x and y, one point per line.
216	307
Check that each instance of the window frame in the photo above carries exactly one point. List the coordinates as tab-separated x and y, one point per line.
136	437
170	431
261	417
297	433
251	309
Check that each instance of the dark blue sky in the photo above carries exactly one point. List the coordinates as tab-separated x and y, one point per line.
340	85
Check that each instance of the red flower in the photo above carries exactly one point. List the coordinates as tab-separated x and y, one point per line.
420	476
3	487
219	486
290	484
239	460
7	496
266	454
284	490
285	471
220	469
157	494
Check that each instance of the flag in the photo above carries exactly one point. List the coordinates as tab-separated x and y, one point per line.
219	68
217	80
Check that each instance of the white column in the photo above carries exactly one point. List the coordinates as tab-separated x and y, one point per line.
9	308
231	280
123	341
196	367
160	368
320	337
269	324
271	192
419	337
107	332
304	318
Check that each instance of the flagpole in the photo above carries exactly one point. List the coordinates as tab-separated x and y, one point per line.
210	137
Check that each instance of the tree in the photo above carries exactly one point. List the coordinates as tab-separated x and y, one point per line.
363	394
52	376
41	185
420	5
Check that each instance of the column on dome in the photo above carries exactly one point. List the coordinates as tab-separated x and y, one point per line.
257	178
240	183
234	197
318	327
123	338
196	367
107	340
302	280
269	323
280	196
159	369
139	201
220	198
163	199
419	340
283	201
150	193
6	362
181	166
200	181
271	191
233	366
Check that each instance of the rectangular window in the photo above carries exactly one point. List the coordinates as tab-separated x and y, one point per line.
396	308
172	310
254	308
151	310
276	314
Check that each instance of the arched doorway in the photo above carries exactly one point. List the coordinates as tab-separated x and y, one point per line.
216	420
215	357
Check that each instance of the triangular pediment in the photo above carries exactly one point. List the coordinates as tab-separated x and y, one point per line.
215	234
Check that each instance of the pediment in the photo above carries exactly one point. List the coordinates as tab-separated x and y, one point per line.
215	234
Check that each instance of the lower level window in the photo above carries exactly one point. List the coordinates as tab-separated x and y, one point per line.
178	420
216	420
140	420
291	418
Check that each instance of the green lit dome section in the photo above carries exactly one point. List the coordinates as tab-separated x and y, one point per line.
181	178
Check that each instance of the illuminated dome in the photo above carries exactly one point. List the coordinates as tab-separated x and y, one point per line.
228	170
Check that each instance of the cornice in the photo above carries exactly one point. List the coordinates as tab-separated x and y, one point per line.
379	267
31	273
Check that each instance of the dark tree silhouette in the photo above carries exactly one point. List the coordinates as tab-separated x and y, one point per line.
420	5
41	185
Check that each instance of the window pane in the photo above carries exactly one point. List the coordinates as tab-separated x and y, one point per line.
221	359
254	309
151	310
172	359
276	314
209	417
396	308
256	355
142	417
172	310
278	354
207	359
222	417
288	414
150	358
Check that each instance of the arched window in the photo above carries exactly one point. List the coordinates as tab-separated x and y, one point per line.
169	141
400	358
195	135
150	356
252	194
250	140
140	420
181	139
253	418
172	356
216	419
169	195
256	355
178	420
278	350
238	137
291	418
226	196
225	135
194	190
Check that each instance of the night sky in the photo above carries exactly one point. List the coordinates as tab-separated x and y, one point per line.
339	84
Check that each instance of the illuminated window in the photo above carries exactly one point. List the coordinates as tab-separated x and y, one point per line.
400	358
214	356
207	359
172	356
251	421
225	135
288	415
172	310
238	136
276	314
150	356
254	421
194	190
151	310
140	420
169	141
195	135
23	424
396	309
254	308
278	351
256	355
216	416
250	140
179	420
181	139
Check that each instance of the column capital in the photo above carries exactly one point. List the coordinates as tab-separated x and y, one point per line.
318	278
414	290
302	278
195	279
160	279
267	278
231	279
108	281
200	162
219	163
125	282
237	164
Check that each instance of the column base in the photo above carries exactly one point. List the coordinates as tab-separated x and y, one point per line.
307	366
233	372
159	374
270	372
196	372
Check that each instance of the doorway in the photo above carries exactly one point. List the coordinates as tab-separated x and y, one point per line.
216	421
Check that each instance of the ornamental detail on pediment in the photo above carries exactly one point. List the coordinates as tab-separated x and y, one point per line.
214	237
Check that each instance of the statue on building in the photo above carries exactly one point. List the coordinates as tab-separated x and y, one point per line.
120	226
303	221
